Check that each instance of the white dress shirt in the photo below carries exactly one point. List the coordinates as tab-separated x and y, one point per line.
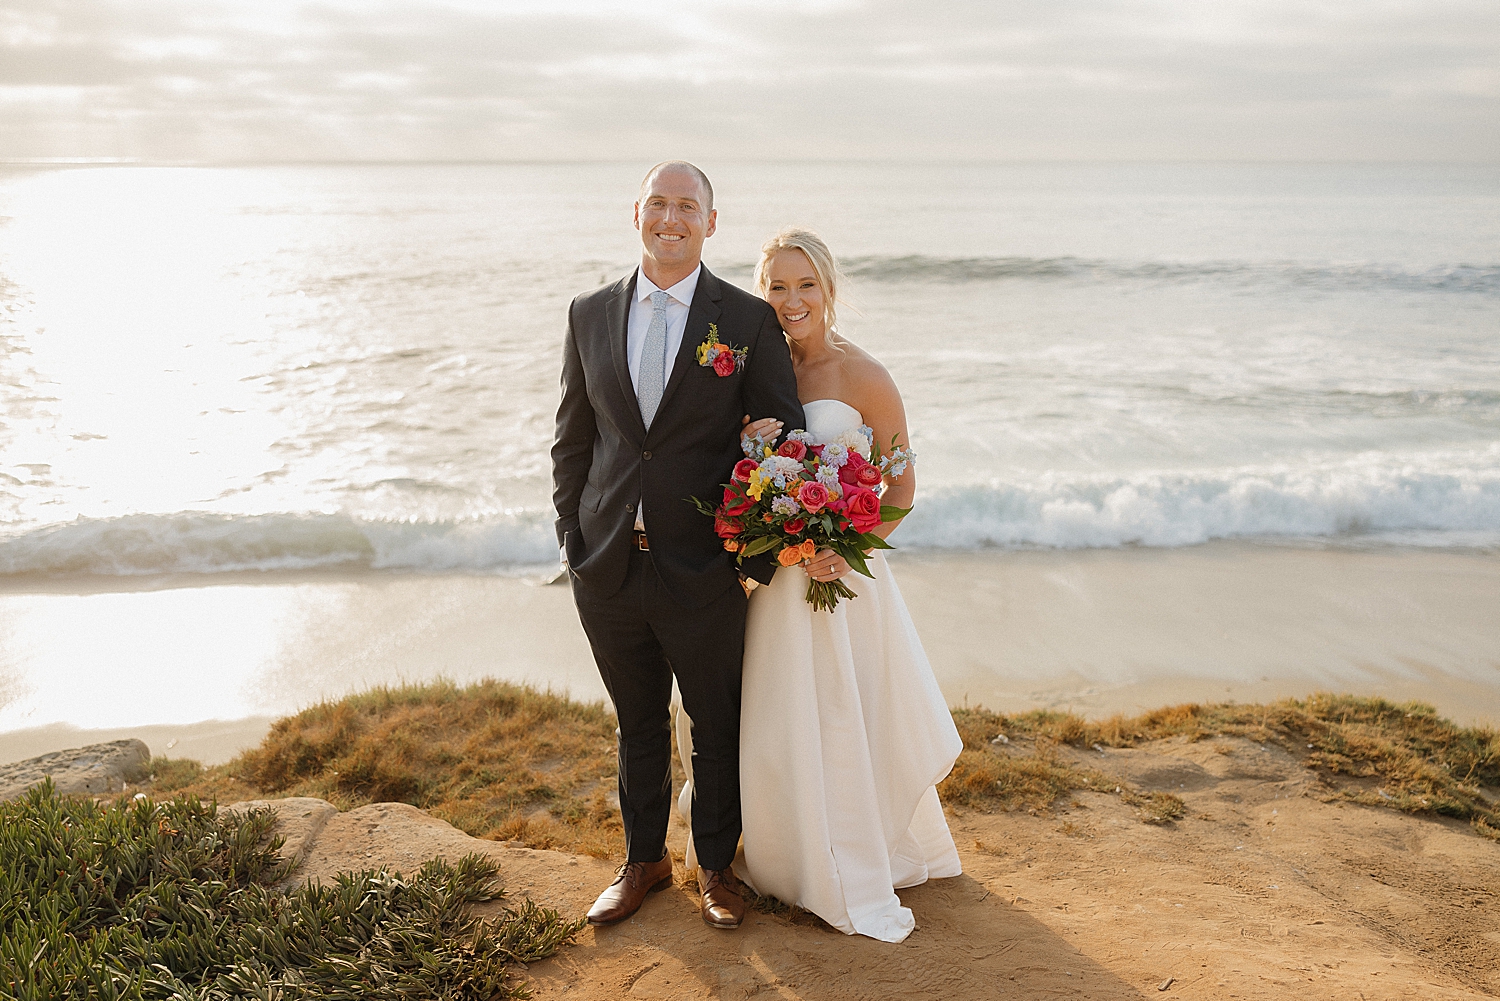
635	336
640	321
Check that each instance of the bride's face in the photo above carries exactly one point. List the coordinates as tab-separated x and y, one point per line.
793	291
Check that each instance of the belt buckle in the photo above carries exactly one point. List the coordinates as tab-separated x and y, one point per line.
641	542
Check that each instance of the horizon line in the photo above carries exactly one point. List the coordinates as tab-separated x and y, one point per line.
107	161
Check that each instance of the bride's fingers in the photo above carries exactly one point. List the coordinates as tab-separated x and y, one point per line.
766	428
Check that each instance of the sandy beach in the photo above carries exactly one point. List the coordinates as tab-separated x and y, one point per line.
1095	631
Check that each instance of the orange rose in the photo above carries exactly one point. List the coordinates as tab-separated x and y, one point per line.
809	549
790	556
731	546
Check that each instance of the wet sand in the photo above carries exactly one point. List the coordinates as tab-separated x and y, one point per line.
1095	631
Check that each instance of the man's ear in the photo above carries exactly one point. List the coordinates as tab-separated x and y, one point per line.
637	219
713	219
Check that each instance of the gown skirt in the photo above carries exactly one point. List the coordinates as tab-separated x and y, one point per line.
844	735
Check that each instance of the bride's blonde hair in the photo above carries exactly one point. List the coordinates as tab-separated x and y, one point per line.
824	266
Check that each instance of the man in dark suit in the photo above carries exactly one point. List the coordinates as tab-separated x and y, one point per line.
642	427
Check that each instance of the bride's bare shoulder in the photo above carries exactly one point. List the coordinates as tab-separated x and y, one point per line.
868	380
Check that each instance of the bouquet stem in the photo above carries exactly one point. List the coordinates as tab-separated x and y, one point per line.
824	595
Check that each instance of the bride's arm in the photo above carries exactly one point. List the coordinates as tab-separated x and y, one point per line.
880	403
876	397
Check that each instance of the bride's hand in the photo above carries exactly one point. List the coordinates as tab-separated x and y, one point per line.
826	565
767	429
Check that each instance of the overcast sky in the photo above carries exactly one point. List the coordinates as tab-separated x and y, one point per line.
774	79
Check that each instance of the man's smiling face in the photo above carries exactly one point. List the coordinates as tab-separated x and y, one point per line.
674	221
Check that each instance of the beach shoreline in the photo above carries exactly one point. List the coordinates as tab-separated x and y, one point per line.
211	661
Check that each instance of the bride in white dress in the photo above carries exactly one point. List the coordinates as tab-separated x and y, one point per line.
844	733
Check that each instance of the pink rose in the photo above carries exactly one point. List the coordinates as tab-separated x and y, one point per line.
793	450
813	496
868	476
862	507
724	364
744	468
849	471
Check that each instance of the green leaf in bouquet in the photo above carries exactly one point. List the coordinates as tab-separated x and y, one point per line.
872	541
757	546
890	512
703	506
854	556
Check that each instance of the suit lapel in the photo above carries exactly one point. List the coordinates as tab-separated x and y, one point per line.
617	317
703	311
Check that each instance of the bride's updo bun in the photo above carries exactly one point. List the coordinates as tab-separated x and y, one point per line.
825	267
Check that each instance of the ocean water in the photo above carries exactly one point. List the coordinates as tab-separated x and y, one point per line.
218	369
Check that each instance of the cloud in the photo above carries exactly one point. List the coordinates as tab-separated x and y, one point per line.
279	80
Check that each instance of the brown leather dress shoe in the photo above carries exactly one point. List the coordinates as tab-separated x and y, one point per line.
723	898
624	896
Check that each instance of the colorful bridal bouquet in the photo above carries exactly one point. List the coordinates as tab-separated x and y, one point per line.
802	497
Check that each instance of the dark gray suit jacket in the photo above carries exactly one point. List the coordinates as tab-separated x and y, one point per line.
604	462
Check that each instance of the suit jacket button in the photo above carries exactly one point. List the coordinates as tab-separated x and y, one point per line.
645	455
630	509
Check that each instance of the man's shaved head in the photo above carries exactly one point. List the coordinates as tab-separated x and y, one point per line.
684	167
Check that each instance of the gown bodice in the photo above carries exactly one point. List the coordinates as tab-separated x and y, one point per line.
827	419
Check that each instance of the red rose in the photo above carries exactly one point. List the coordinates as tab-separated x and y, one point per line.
813	495
795	526
863	508
735	503
724	364
724	528
869	476
793	450
744	468
849	474
815	449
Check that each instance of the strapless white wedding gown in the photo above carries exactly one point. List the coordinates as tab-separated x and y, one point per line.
844	735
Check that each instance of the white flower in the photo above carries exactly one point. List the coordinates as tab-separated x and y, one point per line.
860	439
780	468
804	437
785	506
835	455
829	477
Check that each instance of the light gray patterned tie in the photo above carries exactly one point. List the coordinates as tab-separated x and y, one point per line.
653	379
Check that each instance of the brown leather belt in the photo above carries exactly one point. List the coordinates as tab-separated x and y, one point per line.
640	540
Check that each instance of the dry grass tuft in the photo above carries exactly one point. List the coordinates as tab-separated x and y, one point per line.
505	762
1033	776
495	760
1398	755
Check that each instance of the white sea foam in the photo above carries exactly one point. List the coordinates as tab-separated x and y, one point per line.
1429	500
199	543
1416	499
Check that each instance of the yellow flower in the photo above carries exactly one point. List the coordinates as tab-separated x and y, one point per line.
757	484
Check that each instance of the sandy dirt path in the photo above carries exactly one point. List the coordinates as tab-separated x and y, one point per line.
1261	891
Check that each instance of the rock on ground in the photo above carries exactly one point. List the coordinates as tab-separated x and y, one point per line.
97	770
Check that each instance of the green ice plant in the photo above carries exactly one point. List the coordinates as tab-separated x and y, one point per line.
175	901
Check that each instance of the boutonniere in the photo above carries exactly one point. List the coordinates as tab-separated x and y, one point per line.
722	358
